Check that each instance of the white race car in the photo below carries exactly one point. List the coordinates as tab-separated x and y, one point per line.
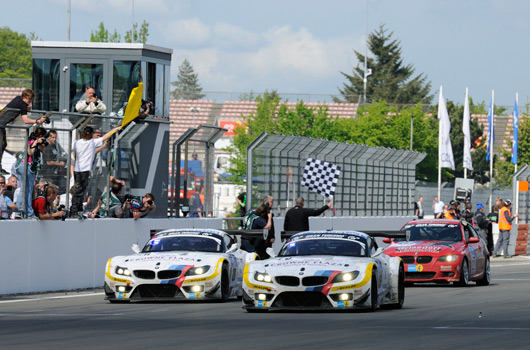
325	270
179	264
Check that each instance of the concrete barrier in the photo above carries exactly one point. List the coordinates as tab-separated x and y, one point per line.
42	256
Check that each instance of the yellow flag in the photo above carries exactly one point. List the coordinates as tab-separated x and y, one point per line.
134	104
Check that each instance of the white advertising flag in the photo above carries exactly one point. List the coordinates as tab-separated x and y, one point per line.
445	150
467	135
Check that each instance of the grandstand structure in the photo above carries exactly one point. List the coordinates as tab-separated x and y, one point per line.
185	114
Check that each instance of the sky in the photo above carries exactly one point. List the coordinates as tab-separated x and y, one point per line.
302	46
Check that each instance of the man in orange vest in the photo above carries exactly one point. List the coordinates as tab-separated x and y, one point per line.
505	226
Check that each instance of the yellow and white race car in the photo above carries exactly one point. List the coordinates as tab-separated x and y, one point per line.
325	270
179	264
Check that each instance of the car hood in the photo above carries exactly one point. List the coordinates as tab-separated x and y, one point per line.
310	265
162	260
422	247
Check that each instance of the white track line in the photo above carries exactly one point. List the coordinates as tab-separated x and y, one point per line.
50	298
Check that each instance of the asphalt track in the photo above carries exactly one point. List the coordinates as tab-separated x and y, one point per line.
434	317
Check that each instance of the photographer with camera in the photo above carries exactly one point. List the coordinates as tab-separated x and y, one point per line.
43	205
54	165
20	105
35	149
115	206
138	207
90	104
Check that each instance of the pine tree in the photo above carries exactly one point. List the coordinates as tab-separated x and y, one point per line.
187	86
390	80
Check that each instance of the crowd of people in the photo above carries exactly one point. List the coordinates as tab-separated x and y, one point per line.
45	170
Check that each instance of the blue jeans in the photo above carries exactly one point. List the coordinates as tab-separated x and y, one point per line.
30	183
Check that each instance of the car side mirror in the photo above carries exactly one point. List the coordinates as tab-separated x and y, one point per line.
232	248
271	252
387	240
473	240
135	248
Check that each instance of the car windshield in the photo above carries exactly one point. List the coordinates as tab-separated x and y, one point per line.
434	232
340	247
187	243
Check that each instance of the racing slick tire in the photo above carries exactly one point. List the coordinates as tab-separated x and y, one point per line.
464	275
225	284
373	293
485	280
401	291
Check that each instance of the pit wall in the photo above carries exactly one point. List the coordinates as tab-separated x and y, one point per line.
42	256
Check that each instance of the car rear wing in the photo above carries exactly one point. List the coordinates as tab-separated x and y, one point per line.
251	233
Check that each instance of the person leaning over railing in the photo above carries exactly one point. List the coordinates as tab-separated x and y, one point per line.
20	105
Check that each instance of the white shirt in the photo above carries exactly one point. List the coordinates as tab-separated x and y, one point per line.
438	206
85	150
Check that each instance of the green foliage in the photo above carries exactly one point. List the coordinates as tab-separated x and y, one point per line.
187	85
138	36
15	54
391	80
101	35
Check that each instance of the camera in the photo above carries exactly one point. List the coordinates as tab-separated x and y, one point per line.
45	143
9	188
128	197
47	120
150	202
65	214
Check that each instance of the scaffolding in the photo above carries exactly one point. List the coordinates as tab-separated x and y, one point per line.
373	181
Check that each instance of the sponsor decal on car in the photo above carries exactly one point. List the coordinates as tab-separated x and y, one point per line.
415	268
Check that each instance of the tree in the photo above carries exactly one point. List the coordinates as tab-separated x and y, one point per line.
390	80
138	36
101	35
187	86
15	54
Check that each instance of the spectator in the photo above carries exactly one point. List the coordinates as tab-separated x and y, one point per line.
483	222
297	218
90	104
196	208
84	151
43	205
467	214
115	209
441	215
418	208
35	149
505	226
6	204
54	166
20	105
139	207
261	218
242	202
12	190
437	206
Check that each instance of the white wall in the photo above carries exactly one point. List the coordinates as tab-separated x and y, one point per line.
41	256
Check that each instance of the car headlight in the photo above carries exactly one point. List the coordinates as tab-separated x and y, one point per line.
345	277
262	277
122	271
199	270
448	258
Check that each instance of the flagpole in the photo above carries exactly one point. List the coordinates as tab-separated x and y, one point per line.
439	154
492	132
465	169
517	103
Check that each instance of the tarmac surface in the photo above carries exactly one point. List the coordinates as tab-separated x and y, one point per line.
434	316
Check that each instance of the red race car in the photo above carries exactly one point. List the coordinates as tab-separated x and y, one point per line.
441	251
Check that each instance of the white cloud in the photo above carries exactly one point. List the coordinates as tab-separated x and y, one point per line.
298	52
189	32
228	35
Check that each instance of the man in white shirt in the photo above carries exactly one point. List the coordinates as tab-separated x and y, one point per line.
437	206
84	151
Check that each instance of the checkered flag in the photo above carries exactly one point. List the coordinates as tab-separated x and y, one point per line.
321	177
